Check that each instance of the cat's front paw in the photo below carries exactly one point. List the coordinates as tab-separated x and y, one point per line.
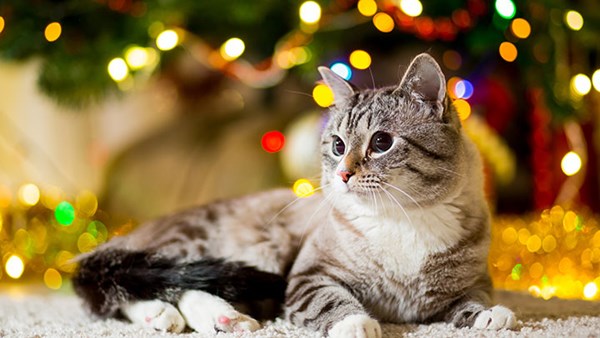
495	318
356	326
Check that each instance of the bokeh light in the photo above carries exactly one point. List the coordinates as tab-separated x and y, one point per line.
571	163
64	213
117	69
342	70
383	22
596	80
303	188
137	57
574	20
87	203
590	290
14	267
52	31
323	95
360	59
506	8
232	49
1	24
508	51
167	40
581	84
412	8
273	141
29	194
463	108
86	242
452	59
520	28
310	12
52	279
367	7
463	89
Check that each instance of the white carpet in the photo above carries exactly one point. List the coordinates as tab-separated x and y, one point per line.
27	314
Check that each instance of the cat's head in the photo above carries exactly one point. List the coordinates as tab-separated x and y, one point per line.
395	145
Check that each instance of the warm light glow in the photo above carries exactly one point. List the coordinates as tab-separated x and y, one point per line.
303	188
383	22
52	31
367	7
136	57
272	141
117	69
1	24
167	40
452	59
596	80
52	279
322	95
310	12
14	267
29	194
574	20
87	203
508	51
571	163
232	49
342	70
463	108
360	59
590	290
411	8
506	9
86	242
581	84
520	28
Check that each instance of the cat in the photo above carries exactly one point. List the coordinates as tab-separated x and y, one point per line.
400	233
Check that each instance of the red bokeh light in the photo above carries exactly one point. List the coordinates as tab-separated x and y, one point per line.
273	141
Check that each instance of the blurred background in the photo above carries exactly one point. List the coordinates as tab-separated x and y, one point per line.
116	111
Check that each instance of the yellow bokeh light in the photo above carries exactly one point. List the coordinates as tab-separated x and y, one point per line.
1	24
549	243
52	196
534	243
411	8
569	221
52	279
64	261
383	22
520	28
509	235
29	194
523	236
1	222
322	95
590	290
5	196
117	69
367	7
508	51
596	80
574	20
232	49
303	188
360	59
52	31
14	267
86	203
136	57
571	163
581	84
463	108
167	40
86	242
536	270
310	12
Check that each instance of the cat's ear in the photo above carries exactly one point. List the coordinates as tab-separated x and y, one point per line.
425	80
341	89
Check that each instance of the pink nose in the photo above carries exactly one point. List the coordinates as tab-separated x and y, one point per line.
345	175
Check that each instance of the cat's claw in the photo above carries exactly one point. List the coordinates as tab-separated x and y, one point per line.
496	318
356	326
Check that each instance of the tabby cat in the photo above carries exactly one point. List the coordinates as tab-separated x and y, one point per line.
399	234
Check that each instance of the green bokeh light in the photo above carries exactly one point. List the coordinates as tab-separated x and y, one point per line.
64	213
506	9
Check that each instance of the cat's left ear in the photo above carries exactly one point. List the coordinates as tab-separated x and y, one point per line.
425	80
342	90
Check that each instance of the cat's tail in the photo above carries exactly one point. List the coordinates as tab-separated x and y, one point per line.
109	278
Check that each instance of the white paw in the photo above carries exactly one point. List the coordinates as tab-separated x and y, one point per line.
208	314
155	314
495	318
356	326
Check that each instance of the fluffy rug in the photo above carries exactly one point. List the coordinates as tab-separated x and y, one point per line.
26	314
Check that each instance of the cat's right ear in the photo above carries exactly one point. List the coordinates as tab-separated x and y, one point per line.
342	90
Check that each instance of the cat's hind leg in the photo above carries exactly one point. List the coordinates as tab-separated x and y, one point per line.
209	314
155	314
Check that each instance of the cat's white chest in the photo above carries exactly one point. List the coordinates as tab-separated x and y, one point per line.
402	245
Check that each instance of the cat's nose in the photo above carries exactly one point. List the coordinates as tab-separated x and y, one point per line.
345	175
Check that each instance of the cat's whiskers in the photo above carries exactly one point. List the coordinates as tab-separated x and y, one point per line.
450	171
394	200
325	201
289	205
404	193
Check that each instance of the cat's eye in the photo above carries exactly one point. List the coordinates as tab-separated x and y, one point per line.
381	142
338	147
